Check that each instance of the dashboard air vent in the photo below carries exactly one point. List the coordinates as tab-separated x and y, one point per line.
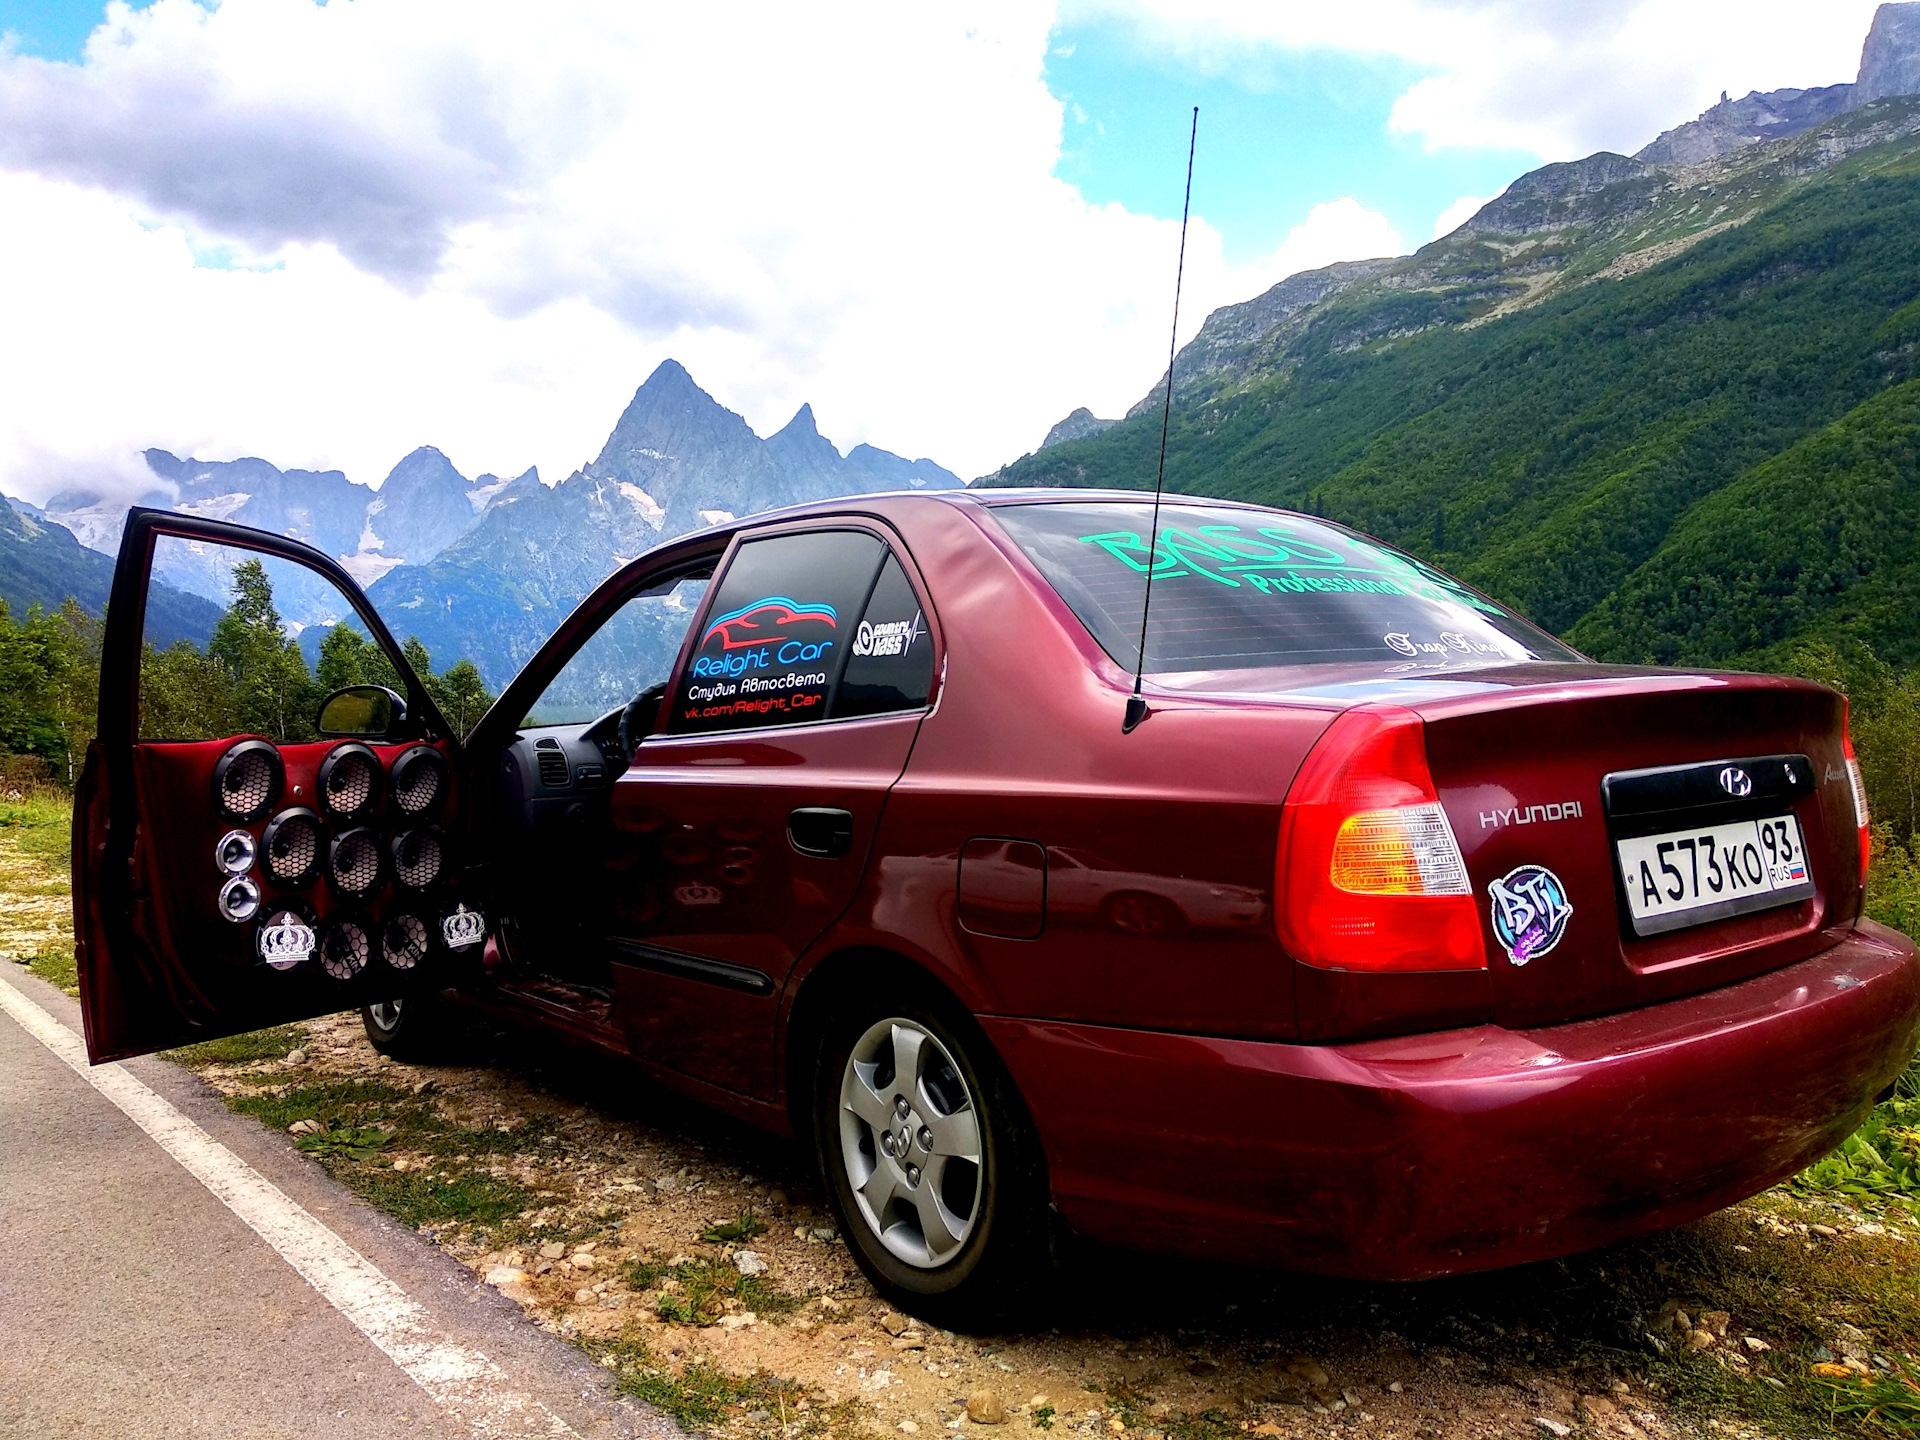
553	770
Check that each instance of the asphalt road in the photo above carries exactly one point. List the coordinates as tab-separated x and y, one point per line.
135	1299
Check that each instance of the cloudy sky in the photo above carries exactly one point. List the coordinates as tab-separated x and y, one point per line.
326	234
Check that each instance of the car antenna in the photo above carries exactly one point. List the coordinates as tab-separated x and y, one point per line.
1136	702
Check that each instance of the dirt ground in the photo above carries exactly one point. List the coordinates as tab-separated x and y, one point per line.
695	1257
644	1200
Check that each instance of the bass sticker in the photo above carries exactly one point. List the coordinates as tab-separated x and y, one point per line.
1530	911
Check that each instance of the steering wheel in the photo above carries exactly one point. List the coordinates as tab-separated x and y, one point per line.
636	721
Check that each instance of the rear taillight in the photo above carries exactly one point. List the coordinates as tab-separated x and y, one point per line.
1859	786
1369	875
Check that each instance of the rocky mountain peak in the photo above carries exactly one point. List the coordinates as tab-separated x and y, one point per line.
1077	426
1889	66
1890	60
1573	192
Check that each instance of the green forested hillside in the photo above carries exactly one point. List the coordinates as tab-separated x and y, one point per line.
1677	452
1817	543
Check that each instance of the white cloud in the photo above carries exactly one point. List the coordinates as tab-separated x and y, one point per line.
1342	229
1557	78
482	233
1457	214
479	226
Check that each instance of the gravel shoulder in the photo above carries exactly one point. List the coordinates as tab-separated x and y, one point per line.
695	1259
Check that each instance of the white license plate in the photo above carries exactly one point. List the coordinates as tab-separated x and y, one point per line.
1688	877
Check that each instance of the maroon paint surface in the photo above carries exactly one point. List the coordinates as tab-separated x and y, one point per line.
1105	904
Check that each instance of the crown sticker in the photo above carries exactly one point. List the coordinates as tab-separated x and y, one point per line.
286	942
464	928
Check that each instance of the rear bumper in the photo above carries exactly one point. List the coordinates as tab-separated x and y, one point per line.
1426	1155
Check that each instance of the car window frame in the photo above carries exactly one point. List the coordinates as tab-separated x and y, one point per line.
891	542
675	561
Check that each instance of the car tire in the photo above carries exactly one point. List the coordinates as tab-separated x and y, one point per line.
959	1239
413	1028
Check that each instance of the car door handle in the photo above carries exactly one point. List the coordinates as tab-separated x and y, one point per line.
816	830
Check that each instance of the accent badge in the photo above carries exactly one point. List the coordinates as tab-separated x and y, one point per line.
464	928
287	942
1530	912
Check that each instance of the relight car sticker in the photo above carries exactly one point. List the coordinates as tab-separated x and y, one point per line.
770	660
757	623
1530	912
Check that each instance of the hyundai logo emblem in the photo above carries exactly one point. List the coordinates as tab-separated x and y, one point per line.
1736	782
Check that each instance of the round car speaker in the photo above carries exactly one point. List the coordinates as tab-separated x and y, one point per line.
404	941
235	853
350	781
239	899
247	781
285	938
419	856
419	780
344	949
291	843
354	863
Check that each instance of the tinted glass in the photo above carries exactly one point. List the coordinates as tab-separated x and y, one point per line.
1239	589
777	631
890	660
628	655
236	648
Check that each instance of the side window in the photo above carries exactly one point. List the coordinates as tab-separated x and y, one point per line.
627	656
890	662
234	644
777	631
239	642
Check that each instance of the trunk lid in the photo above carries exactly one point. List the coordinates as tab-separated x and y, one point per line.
1545	771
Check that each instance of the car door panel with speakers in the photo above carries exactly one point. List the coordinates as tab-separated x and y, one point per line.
242	860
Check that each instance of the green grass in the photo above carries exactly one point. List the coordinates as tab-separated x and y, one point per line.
272	1044
40	823
702	1396
734	1231
55	965
696	1292
1889	1405
363	1120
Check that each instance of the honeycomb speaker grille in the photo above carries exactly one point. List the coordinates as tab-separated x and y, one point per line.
419	857
419	780
355	863
247	781
349	781
404	942
291	845
344	949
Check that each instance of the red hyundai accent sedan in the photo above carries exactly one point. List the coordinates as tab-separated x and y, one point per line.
1398	940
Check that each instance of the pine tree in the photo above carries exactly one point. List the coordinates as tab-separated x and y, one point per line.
273	693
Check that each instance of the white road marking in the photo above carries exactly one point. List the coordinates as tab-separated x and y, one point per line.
463	1382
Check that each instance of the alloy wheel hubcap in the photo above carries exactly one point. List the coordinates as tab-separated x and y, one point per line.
910	1141
386	1014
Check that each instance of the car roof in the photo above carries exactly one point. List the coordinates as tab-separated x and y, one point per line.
986	499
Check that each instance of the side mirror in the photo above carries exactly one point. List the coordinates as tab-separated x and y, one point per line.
362	712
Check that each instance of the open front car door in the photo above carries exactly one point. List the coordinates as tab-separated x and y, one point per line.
243	854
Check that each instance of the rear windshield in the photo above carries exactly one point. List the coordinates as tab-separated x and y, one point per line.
1243	589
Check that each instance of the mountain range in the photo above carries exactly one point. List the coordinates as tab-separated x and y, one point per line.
1668	404
483	568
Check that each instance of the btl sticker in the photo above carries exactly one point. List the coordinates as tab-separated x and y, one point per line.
1530	912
